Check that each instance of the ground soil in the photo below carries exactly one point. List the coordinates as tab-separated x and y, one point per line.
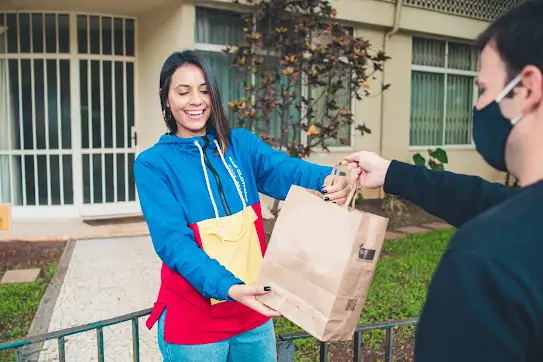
410	215
402	351
20	302
25	254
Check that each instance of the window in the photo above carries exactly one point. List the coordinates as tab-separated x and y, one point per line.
217	28
342	97
443	93
214	30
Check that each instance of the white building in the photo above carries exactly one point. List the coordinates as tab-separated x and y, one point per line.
79	89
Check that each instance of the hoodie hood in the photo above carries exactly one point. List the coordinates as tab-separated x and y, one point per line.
190	143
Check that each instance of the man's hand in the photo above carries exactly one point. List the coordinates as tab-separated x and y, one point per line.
371	167
245	294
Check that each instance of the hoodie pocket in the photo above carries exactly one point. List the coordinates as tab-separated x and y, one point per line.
233	241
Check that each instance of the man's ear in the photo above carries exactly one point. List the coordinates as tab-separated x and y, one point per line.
532	83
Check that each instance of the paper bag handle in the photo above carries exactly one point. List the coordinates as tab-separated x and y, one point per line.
351	199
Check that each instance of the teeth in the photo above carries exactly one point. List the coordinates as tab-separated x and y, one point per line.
195	113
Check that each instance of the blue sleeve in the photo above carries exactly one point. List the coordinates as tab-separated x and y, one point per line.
173	240
276	171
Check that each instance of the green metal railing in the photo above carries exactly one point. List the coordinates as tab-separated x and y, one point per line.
285	346
61	335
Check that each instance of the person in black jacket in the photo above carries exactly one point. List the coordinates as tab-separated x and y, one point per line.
485	300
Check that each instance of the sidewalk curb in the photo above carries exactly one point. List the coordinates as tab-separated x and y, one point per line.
42	318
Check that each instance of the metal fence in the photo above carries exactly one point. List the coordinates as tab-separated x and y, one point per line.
61	335
285	346
286	349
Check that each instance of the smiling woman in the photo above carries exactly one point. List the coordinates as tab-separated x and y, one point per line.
212	251
188	95
189	101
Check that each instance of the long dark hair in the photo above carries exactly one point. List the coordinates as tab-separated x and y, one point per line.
219	120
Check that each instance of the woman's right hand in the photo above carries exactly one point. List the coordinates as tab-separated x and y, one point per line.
245	294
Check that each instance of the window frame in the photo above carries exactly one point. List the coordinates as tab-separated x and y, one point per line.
445	70
217	48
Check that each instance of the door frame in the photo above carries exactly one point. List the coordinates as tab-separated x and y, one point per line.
98	209
79	209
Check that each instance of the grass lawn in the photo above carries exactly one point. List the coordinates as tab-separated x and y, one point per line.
398	291
18	304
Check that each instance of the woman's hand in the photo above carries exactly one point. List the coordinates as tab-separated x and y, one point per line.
245	294
337	188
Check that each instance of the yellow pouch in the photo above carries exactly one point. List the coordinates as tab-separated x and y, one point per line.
239	249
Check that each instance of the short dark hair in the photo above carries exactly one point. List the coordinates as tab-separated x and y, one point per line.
218	121
518	36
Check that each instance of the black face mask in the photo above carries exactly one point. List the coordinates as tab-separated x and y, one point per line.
491	130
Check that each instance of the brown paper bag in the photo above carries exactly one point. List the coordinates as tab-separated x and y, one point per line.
320	263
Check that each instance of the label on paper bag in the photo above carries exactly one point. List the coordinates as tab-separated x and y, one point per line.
366	254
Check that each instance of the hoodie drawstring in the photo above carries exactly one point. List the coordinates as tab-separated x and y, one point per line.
202	160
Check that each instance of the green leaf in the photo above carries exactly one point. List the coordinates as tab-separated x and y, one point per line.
439	154
418	159
436	166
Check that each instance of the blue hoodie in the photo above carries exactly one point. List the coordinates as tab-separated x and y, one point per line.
203	212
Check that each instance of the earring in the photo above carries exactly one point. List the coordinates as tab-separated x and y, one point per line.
166	114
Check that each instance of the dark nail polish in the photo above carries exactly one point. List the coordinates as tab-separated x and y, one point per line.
324	191
326	198
267	289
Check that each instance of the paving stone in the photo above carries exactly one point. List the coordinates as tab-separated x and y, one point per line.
412	230
437	225
20	276
107	278
392	235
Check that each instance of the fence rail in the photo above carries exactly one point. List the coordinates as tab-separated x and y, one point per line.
61	335
285	345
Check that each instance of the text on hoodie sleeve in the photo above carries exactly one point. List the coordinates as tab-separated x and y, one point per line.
173	240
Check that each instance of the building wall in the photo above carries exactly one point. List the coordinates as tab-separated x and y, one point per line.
162	31
396	111
388	115
165	26
389	122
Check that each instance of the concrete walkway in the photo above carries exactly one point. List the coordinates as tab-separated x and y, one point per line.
70	229
106	278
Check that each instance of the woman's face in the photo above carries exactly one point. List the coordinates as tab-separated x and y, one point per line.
189	101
